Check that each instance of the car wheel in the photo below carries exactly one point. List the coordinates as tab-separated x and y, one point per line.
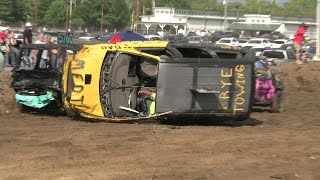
72	114
242	117
24	108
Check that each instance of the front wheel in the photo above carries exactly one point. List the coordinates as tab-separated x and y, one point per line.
71	113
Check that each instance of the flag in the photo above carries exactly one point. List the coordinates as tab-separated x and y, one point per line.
115	38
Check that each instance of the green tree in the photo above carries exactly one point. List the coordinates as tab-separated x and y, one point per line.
56	14
301	8
12	12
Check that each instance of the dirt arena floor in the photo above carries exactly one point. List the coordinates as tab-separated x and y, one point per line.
268	146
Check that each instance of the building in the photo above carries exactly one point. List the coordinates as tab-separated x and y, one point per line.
183	21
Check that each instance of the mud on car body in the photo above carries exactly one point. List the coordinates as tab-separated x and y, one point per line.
104	81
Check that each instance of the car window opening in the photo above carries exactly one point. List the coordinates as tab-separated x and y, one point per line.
194	53
133	81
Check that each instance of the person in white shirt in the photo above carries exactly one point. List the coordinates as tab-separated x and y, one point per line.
44	56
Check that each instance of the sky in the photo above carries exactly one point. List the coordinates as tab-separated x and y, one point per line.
278	1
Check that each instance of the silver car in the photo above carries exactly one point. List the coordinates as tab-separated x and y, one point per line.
278	56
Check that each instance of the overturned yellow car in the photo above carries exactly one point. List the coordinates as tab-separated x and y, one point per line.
143	79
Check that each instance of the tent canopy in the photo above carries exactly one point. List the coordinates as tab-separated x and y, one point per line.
253	27
126	36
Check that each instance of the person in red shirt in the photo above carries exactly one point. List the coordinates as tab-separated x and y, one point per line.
298	40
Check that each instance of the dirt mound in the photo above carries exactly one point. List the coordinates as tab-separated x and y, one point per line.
302	86
7	100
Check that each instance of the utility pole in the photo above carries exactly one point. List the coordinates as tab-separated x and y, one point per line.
318	31
67	19
36	4
225	3
102	14
70	15
137	14
205	20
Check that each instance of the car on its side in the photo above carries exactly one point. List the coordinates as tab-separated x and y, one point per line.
108	81
228	41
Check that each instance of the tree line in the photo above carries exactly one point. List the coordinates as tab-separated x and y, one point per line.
119	14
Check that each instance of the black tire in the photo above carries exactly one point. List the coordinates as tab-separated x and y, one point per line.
72	114
277	103
24	108
242	117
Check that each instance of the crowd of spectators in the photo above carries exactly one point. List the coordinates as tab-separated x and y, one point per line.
10	49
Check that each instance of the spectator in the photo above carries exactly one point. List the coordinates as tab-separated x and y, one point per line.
12	50
53	56
27	39
42	55
298	40
3	48
48	39
8	50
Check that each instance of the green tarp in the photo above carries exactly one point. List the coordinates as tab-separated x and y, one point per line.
35	101
253	27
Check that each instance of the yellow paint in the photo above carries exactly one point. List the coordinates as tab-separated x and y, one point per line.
85	98
226	74
240	82
239	99
224	95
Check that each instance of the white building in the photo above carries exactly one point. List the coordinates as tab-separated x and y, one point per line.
176	21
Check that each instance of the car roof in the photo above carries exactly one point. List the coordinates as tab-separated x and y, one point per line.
259	39
227	38
275	50
280	40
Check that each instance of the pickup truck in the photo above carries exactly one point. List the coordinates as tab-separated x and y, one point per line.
278	56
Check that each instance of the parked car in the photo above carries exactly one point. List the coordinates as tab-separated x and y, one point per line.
136	80
228	41
278	43
257	51
198	39
176	38
278	56
242	41
289	46
258	42
153	37
19	39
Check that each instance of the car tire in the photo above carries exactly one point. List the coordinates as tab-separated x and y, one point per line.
242	117
72	114
24	108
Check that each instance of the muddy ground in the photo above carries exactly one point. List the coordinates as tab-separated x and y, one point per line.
268	146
